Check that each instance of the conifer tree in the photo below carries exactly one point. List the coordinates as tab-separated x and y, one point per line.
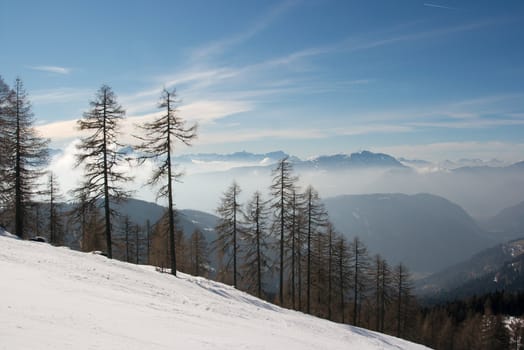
342	271
316	220
87	216
55	220
359	261
229	227
199	253
5	140
25	154
255	244
331	235
403	296
294	226
158	143
381	283
282	186
100	157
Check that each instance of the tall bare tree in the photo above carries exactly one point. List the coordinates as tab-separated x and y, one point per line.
316	219
158	143
100	155
360	266
342	271
381	277
255	247
403	297
25	154
55	220
228	228
199	254
5	141
282	186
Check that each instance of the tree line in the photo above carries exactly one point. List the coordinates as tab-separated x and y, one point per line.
287	241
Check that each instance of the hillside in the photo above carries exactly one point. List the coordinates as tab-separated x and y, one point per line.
508	223
481	266
56	298
426	232
497	268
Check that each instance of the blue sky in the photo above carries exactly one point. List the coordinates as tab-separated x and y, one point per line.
421	79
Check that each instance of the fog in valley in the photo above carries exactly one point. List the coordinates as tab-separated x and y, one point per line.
482	191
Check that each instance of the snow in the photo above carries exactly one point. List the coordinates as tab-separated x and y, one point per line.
56	298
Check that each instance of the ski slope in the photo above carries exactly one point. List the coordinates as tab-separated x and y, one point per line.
56	298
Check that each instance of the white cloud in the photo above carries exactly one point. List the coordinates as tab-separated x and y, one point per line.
59	95
374	129
52	69
58	131
210	138
209	111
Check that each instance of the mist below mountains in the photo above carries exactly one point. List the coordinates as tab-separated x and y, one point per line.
482	188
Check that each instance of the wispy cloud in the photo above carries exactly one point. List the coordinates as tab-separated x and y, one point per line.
428	4
374	129
52	69
221	45
59	95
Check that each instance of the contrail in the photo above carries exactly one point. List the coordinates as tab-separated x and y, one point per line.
439	6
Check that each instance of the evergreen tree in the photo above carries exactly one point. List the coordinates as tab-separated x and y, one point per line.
228	228
158	143
100	156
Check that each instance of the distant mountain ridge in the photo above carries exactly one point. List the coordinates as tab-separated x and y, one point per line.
242	156
363	159
337	161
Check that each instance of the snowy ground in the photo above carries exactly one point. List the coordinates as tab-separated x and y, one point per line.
55	298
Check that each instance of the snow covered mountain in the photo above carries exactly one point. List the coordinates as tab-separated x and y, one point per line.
56	298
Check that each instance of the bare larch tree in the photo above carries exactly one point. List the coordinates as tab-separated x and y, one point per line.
158	143
100	155
25	155
282	186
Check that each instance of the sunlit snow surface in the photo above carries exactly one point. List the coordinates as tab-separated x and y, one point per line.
55	298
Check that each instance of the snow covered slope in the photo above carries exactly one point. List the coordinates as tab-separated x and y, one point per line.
55	298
